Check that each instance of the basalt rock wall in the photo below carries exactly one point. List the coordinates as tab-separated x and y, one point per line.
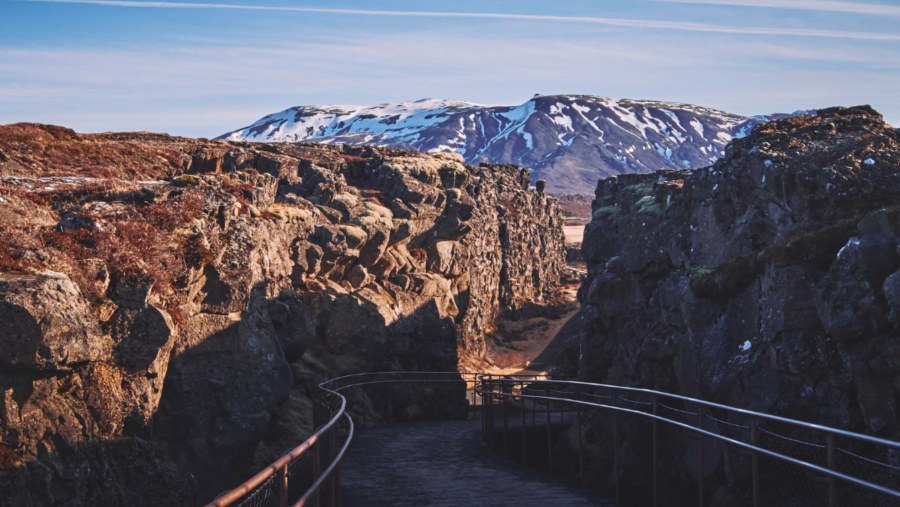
768	281
169	305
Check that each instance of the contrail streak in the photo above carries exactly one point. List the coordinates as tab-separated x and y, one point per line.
616	22
805	5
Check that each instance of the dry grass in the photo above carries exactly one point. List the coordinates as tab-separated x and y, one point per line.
145	245
45	150
9	458
241	190
16	243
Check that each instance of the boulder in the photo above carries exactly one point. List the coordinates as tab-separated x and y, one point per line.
46	324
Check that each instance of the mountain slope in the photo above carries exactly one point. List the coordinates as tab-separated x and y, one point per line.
569	140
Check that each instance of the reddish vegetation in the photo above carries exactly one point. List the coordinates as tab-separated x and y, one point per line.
44	150
419	254
16	242
8	457
242	191
141	246
145	239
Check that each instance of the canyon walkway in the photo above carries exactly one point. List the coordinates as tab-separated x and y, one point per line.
444	464
656	447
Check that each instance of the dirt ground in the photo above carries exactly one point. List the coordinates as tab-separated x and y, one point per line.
530	339
574	234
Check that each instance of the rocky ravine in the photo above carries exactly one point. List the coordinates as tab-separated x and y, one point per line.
167	305
769	281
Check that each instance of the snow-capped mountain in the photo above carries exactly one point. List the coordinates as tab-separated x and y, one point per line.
568	140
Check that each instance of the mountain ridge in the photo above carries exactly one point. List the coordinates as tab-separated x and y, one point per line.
569	140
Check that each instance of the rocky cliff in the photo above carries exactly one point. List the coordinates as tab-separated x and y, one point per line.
769	281
167	305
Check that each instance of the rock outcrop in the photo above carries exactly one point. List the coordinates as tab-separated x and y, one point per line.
166	312
767	281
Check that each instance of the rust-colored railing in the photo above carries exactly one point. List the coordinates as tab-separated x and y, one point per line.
308	475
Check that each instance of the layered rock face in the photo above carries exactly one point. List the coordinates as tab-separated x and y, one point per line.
768	281
165	318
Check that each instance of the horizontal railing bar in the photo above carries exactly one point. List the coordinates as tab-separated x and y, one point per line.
401	381
790	439
871	461
727	423
326	384
760	450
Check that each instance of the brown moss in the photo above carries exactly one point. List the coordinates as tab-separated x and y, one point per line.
143	245
9	458
241	190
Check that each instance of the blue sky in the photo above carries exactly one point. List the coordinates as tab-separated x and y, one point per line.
200	68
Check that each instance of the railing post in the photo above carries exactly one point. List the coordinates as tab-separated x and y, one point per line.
581	448
562	407
549	432
700	457
504	401
333	451
488	387
337	486
615	416
316	472
282	482
471	408
754	460
655	454
524	422
832	484
364	395
485	407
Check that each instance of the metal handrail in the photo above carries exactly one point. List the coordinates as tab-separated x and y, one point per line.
332	467
709	404
333	388
497	387
520	387
280	466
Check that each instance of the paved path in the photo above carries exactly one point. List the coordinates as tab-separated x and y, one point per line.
443	464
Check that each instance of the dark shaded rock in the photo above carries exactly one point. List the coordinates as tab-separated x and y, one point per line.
767	281
74	220
46	324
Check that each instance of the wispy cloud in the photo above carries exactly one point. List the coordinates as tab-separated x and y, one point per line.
208	88
873	9
613	22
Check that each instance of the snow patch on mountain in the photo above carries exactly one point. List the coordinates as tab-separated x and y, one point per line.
569	140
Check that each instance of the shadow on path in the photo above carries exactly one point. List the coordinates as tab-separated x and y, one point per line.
443	464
